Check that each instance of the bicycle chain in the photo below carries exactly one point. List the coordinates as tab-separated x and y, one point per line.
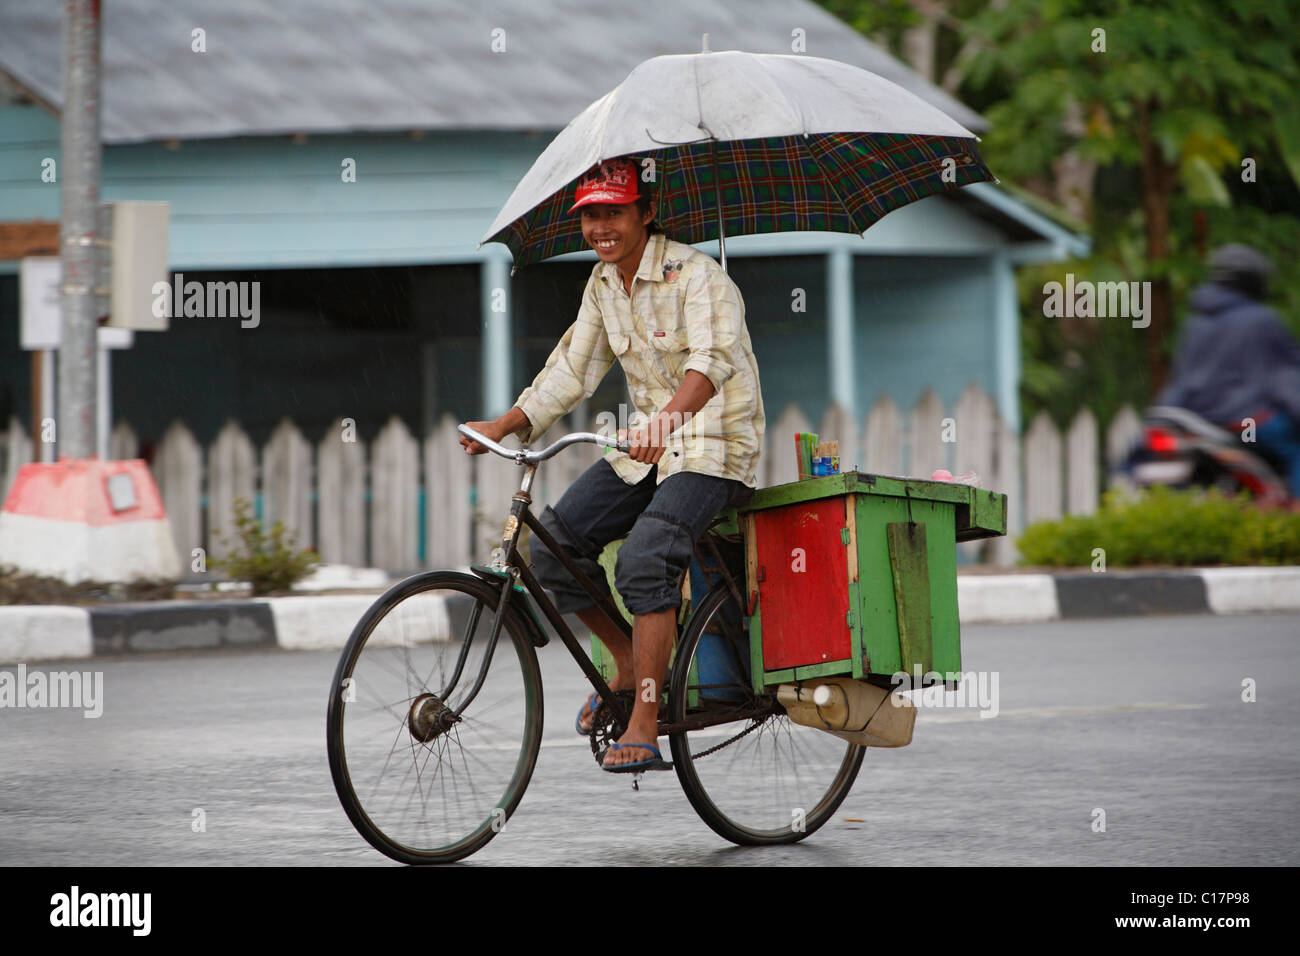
604	730
726	743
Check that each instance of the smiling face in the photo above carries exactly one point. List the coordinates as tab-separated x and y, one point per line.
617	233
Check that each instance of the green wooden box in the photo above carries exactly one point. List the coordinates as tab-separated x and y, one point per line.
856	575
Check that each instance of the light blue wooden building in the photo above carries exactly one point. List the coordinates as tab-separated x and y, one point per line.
375	298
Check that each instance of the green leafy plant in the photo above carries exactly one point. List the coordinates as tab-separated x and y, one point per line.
268	562
1169	527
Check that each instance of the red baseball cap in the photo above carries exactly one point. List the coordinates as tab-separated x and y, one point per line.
613	181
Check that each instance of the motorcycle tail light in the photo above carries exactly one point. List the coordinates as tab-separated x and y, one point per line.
1159	440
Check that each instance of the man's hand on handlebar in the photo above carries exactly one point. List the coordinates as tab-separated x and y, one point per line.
645	444
508	424
492	430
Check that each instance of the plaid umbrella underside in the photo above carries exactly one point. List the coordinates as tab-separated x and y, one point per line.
824	182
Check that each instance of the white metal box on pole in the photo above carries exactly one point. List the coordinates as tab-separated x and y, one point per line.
139	251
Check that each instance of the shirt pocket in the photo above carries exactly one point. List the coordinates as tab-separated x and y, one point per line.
671	350
618	342
621	345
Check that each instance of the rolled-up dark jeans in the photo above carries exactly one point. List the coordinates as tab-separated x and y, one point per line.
662	523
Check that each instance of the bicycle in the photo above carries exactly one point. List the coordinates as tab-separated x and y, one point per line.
430	758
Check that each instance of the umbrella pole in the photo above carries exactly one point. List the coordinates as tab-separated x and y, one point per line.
717	204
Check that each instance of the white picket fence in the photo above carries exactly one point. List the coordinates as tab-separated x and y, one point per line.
358	504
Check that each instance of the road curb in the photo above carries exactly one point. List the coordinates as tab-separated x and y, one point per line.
1026	598
1090	594
1009	598
315	623
35	632
1242	590
324	622
180	626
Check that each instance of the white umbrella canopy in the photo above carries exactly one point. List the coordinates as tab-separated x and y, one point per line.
710	113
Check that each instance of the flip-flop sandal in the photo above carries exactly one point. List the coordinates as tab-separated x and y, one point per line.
590	706
656	762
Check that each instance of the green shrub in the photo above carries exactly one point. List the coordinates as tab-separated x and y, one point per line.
1162	526
267	562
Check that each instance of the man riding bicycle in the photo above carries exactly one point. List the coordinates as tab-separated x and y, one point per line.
676	323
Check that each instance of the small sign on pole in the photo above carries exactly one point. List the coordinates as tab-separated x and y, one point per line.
131	265
39	308
40	328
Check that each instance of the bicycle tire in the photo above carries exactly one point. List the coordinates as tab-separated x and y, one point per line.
726	796
349	741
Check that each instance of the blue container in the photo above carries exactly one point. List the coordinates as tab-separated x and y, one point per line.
722	665
719	669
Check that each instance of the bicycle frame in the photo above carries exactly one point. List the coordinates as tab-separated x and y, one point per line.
514	567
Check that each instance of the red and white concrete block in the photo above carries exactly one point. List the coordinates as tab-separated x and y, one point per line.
88	520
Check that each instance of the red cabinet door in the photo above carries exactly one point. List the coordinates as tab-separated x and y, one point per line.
803	583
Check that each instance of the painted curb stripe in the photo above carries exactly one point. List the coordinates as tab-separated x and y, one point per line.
1008	598
1238	590
1089	594
36	633
316	623
182	625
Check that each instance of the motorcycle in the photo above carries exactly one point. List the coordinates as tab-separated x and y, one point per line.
1181	449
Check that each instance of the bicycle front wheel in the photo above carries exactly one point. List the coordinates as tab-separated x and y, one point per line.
421	781
755	780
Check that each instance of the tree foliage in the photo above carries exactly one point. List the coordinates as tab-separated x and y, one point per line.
1161	103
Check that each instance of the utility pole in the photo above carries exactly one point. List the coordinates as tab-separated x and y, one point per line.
79	232
56	505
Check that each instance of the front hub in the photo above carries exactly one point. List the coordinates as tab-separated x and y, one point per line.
429	717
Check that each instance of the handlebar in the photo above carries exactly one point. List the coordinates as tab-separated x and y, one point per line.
524	457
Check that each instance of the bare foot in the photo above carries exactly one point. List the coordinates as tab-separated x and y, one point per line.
588	714
638	732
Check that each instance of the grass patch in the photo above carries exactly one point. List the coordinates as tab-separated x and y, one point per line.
17	587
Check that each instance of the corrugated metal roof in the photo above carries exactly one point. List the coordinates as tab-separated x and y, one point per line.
332	66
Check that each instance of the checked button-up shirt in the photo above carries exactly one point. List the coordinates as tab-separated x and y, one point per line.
683	313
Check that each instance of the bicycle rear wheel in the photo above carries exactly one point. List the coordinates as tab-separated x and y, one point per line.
418	787
754	780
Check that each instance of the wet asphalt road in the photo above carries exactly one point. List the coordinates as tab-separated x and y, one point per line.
1140	717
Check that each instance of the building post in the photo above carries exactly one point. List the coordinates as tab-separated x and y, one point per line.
839	328
79	233
497	337
1006	339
